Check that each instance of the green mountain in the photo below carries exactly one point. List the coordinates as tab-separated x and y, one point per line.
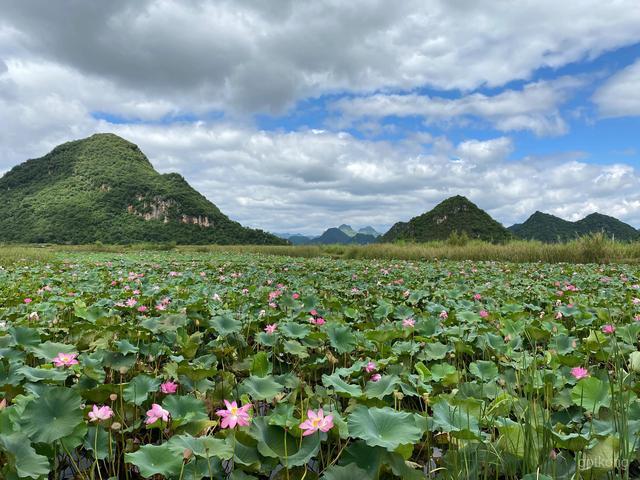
347	230
337	235
610	226
103	188
369	231
546	228
549	228
455	214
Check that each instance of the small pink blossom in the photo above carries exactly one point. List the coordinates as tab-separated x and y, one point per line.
160	307
636	301
245	291
317	321
408	323
97	414
316	421
295	296
484	313
444	315
477	297
273	304
406	293
314	312
370	367
65	359
132	302
234	415
142	308
271	328
608	328
376	377
27	300
173	274
156	413
579	372
169	387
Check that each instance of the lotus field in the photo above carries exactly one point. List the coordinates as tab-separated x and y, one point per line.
241	366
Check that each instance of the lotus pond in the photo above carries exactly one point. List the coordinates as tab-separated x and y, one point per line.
241	366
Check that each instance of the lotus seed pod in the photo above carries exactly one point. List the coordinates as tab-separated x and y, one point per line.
113	397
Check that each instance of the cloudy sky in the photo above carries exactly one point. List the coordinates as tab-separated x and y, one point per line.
294	116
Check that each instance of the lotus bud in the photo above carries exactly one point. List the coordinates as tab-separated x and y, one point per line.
634	361
186	455
116	426
398	395
113	397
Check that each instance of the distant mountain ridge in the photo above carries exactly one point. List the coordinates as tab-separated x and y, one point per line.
344	234
103	188
455	214
549	228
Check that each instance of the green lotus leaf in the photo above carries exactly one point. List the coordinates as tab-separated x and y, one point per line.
49	350
275	442
383	387
341	338
261	388
348	472
155	460
139	388
54	415
185	409
294	330
225	324
22	458
260	365
205	447
591	393
383	427
483	369
99	437
38	374
455	419
340	386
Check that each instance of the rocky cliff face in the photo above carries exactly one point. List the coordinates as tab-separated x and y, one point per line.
165	210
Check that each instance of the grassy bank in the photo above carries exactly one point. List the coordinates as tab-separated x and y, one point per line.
591	249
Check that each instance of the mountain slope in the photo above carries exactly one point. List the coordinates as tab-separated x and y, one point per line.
455	214
103	188
610	226
549	228
546	228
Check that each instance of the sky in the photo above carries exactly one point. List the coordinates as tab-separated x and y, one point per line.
295	116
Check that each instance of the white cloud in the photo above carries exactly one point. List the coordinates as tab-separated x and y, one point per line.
535	107
620	95
248	56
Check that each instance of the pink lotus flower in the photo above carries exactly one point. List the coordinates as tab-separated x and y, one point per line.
484	313
27	300
376	377
295	296
317	321
579	372
271	328
408	323
169	387
245	291
156	413
314	312
316	421
97	414
234	415
370	367
161	306
444	315
477	297
608	329
65	359
406	293
131	302
142	308
173	274
636	301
